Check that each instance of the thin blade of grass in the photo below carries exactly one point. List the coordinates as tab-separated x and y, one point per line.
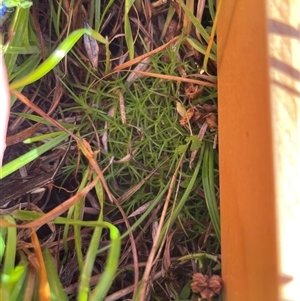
198	26
211	8
186	194
42	120
9	275
20	274
23	50
187	24
42	137
3	232
201	48
12	291
102	288
170	15
77	214
99	18
127	28
26	67
56	57
10	249
84	288
19	25
30	156
54	281
209	188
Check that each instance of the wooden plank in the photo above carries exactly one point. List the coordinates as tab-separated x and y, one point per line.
248	216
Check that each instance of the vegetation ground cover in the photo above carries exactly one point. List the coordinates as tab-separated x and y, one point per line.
113	147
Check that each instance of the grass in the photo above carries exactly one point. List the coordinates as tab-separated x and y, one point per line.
133	210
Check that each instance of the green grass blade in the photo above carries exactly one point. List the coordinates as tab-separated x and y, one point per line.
42	120
42	137
3	232
213	32
186	194
201	48
84	288
209	188
77	215
198	26
211	8
10	248
100	17
19	276
127	29
30	156
102	288
56	57
8	274
57	291
153	204
25	67
23	41
23	50
20	27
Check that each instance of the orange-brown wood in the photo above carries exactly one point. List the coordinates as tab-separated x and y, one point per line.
247	187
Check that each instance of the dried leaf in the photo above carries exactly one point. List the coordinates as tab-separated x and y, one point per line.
211	120
196	116
143	65
209	108
21	136
191	115
140	210
192	90
91	46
